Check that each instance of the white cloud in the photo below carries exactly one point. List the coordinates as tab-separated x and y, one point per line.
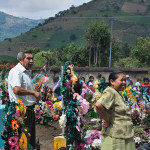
36	9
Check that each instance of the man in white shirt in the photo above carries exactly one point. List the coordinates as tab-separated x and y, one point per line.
20	86
128	81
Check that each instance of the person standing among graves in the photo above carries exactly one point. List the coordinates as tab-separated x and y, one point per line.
90	83
20	86
117	127
128	81
146	85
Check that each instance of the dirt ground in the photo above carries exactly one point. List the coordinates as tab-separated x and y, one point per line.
46	134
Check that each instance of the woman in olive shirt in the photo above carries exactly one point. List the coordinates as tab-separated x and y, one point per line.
117	128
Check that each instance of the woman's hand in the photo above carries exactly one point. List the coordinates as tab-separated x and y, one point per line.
102	112
105	123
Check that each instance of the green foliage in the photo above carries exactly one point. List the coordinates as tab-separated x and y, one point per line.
142	51
98	39
127	62
126	49
56	33
57	57
34	50
7	59
116	52
38	59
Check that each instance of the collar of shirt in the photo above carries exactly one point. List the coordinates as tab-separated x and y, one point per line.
23	69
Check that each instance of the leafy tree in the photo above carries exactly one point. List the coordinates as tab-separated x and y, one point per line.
142	51
116	53
34	50
38	59
126	49
98	39
127	62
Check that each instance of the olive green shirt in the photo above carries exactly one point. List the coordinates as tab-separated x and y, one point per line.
121	125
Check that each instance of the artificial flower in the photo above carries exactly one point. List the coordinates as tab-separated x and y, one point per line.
62	121
96	143
13	140
14	125
57	104
84	104
14	147
137	139
23	141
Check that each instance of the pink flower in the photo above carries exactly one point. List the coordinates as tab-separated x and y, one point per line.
13	140
144	111
41	112
84	104
14	147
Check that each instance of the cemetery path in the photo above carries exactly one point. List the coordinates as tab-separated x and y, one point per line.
46	134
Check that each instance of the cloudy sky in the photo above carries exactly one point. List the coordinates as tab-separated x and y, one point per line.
37	9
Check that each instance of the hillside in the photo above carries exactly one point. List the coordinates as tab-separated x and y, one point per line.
11	26
130	20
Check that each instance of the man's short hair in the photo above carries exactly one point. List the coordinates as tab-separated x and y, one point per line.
21	54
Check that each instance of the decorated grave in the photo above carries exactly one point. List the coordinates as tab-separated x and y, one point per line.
71	106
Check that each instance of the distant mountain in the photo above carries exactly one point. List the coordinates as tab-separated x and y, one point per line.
11	26
131	19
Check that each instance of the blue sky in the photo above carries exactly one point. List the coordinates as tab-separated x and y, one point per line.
37	9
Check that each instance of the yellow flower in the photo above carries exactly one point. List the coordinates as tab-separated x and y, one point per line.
23	141
57	104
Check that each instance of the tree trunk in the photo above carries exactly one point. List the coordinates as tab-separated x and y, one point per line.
90	56
99	57
96	55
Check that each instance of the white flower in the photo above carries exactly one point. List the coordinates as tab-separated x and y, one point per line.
137	139
96	143
93	145
62	121
99	142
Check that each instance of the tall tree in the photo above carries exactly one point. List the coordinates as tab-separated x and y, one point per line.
98	39
142	51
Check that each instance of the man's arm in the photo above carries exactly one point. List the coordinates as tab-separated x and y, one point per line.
102	112
21	91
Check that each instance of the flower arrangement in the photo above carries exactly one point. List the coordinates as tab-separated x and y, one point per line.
13	133
71	105
141	136
96	144
92	141
84	105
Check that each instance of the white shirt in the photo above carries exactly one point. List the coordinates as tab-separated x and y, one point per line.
19	76
90	83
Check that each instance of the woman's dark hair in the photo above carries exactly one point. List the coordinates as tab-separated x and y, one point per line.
114	75
91	77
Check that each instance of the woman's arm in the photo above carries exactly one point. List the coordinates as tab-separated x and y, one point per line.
102	112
